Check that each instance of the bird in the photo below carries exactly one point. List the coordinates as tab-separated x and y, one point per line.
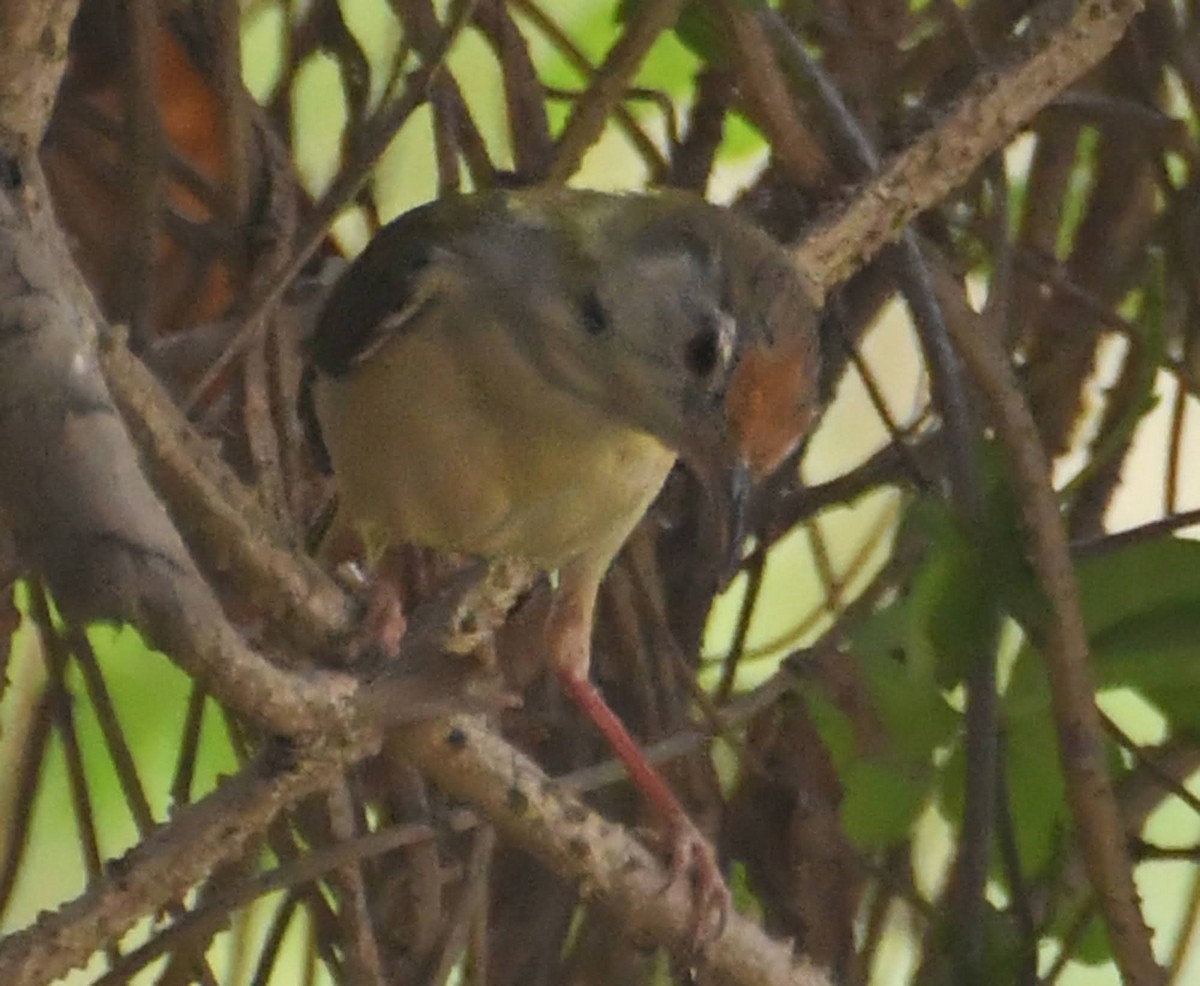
515	373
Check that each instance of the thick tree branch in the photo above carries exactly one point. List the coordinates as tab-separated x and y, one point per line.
467	761
227	525
79	506
33	37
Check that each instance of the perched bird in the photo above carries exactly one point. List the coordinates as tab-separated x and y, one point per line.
515	373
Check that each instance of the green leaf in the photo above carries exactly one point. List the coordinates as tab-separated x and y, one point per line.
1091	946
913	711
1037	797
699	28
1037	794
1156	653
886	789
881	635
1141	609
882	801
700	31
968	579
1003	951
952	610
907	697
835	729
744	898
1136	579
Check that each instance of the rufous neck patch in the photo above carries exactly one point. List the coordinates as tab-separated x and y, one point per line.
770	403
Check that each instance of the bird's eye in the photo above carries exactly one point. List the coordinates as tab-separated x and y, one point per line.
593	315
703	352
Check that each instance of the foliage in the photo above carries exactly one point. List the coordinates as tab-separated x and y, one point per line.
849	650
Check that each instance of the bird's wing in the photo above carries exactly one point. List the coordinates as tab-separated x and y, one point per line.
387	286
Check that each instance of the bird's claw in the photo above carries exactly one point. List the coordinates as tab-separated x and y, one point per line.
692	859
383	623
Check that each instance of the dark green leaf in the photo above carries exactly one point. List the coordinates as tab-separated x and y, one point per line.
1141	608
882	800
1142	577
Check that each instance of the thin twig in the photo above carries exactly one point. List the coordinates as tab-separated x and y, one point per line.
650	19
376	137
966	490
216	910
1064	644
579	61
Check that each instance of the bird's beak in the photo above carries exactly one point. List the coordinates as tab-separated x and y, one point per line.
740	484
727	482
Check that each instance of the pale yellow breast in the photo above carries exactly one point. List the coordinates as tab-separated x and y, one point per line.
451	440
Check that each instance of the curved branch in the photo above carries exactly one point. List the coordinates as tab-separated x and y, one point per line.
83	513
611	868
991	110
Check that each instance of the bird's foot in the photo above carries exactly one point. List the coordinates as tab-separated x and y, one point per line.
691	858
383	622
690	854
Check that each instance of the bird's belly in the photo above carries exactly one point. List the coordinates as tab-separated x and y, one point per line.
462	465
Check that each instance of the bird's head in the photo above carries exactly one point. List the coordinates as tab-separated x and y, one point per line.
713	342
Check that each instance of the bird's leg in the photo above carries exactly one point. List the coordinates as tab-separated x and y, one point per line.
383	622
569	630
